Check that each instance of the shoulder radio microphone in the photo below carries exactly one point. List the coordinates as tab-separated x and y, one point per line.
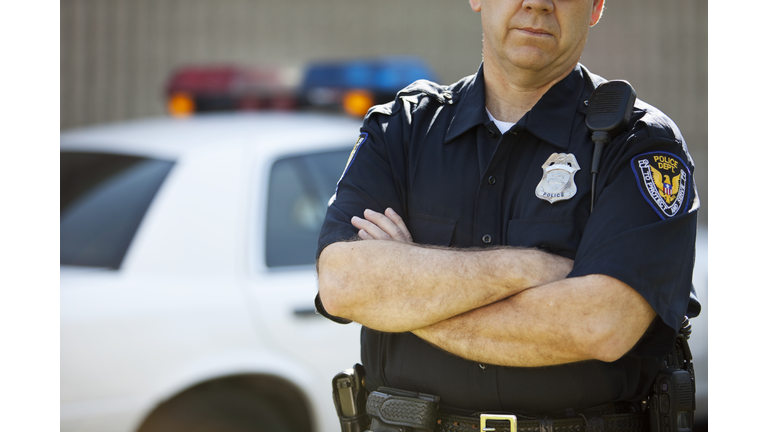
608	112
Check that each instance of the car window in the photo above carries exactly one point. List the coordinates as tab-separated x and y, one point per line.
299	190
103	200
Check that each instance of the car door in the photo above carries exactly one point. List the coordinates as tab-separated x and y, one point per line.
298	189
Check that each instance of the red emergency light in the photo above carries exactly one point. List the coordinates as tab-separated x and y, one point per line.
196	89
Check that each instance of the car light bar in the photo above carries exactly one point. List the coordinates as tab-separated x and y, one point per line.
349	85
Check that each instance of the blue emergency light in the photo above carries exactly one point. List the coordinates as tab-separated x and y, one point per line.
356	84
388	74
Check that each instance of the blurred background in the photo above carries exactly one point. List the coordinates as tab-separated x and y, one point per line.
116	56
117	59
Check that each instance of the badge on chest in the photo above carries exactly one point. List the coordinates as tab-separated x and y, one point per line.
557	182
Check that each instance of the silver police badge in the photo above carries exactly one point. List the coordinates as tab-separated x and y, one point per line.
557	183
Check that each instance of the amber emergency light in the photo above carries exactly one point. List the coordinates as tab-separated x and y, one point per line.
357	102
181	105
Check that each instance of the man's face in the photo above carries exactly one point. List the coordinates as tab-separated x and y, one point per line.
544	36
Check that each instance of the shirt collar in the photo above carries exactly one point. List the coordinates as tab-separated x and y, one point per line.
550	119
470	110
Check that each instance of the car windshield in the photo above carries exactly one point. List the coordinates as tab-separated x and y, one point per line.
103	199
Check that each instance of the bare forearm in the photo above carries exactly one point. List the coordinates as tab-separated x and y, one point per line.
593	317
393	286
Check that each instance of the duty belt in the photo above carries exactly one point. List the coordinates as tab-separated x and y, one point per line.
630	422
391	409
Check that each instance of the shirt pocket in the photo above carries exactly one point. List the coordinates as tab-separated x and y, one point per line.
431	230
558	235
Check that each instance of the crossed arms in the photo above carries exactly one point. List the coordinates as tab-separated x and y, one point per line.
506	306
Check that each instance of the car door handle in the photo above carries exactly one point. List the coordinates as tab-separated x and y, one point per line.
306	312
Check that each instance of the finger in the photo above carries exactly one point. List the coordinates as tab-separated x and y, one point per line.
394	217
371	229
385	224
363	234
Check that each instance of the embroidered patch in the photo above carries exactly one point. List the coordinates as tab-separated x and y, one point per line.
662	178
557	182
352	155
360	140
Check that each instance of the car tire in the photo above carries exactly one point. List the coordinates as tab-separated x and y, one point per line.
209	408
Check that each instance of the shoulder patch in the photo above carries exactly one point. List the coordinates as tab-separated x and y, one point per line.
663	180
360	140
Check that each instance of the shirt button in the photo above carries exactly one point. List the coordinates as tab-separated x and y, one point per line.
491	180
491	133
486	239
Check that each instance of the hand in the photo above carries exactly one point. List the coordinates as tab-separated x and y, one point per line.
387	226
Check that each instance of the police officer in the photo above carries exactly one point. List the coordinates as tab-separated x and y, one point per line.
497	287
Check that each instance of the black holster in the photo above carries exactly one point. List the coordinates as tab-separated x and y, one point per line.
349	398
673	395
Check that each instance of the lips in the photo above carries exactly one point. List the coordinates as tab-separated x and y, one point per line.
534	31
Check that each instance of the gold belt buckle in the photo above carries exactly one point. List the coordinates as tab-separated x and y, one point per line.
510	418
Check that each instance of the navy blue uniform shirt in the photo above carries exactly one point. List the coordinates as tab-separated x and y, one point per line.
434	156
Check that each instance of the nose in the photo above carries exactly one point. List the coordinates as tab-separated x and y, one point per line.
539	6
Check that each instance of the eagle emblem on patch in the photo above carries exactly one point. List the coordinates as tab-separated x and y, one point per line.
662	178
557	182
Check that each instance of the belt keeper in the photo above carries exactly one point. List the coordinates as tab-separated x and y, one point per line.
593	423
546	425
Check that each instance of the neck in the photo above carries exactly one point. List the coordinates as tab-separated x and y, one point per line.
508	96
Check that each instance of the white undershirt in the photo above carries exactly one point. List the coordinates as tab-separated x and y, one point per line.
502	125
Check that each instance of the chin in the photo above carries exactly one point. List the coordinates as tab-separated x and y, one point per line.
526	56
530	62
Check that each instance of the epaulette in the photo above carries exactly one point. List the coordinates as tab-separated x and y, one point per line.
411	95
435	91
657	123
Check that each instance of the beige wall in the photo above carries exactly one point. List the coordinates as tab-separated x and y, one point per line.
660	46
117	54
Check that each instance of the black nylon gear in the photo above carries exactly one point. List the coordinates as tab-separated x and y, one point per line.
419	411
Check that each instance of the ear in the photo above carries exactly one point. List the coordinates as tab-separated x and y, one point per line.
475	5
597	11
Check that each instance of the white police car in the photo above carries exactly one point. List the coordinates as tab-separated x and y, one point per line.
187	274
